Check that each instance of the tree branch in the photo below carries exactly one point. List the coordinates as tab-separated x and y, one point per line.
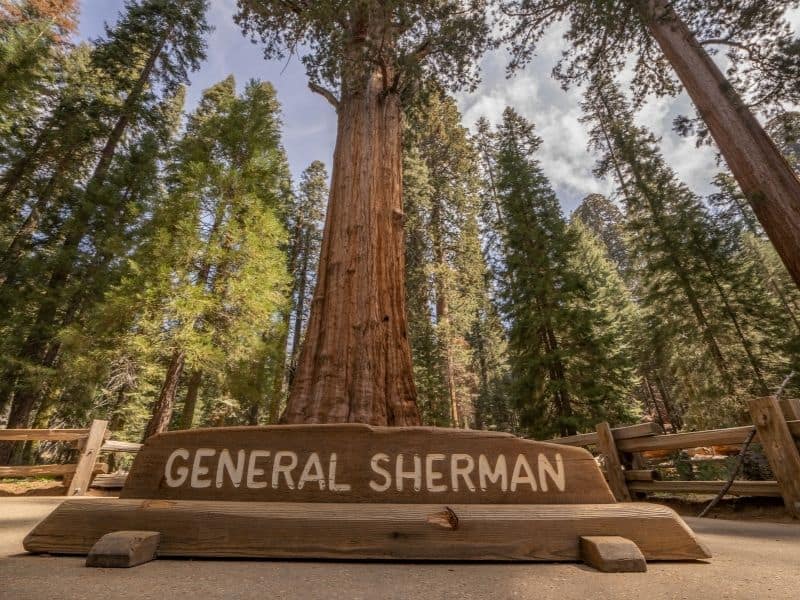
325	93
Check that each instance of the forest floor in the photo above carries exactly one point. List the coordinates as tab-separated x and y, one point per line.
751	560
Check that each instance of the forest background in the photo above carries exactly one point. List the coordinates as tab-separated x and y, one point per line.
570	258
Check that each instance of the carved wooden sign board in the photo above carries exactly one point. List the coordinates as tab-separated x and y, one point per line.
355	491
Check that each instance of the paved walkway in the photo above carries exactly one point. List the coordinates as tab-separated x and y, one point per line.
753	561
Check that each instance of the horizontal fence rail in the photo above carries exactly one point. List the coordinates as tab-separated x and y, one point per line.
777	425
78	477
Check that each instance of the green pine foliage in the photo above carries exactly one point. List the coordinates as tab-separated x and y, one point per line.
570	366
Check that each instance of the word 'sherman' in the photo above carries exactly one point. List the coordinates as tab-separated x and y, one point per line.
260	469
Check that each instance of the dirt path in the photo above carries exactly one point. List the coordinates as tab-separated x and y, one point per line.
751	560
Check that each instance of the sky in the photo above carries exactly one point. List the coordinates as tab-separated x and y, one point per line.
310	122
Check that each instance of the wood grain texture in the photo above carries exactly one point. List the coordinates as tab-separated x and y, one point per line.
614	472
46	470
739	488
620	433
49	435
780	448
354	446
124	549
366	531
89	455
790	408
612	554
115	446
694	439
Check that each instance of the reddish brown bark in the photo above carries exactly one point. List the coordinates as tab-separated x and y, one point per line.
355	365
162	409
767	180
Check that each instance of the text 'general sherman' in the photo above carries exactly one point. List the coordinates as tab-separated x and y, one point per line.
200	468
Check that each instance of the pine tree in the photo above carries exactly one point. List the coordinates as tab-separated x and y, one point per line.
556	336
688	272
659	34
229	268
605	220
153	46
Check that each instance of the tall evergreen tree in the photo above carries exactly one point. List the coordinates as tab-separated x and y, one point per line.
226	276
658	34
686	268
556	336
153	46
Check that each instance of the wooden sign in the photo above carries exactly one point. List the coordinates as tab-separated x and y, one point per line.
359	492
359	463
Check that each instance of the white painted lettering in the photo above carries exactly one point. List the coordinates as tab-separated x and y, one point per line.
181	472
488	475
517	478
415	475
198	470
253	471
556	474
432	475
378	470
307	476
457	471
235	472
278	467
335	487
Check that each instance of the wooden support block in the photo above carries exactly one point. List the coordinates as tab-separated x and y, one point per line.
780	448
616	476
325	530
123	549
612	554
91	451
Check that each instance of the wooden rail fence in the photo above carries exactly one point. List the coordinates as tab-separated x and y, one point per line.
78	476
777	424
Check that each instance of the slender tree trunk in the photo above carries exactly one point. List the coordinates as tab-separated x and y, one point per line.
162	409
302	283
557	374
279	375
443	326
190	404
767	180
355	365
743	339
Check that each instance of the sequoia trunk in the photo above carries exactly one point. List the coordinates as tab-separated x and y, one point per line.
769	183
355	365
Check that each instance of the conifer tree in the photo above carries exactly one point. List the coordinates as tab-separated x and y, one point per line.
229	269
154	45
682	257
659	34
557	334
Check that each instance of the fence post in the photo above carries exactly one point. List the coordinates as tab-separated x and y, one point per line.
780	448
616	476
89	454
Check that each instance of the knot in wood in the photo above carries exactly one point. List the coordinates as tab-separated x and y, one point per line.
446	519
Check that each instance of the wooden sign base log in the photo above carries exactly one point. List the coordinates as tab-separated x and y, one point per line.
360	492
366	531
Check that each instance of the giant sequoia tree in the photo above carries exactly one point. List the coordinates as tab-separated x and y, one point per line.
365	57
661	33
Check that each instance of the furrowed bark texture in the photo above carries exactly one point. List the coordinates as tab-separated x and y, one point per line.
769	183
355	365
